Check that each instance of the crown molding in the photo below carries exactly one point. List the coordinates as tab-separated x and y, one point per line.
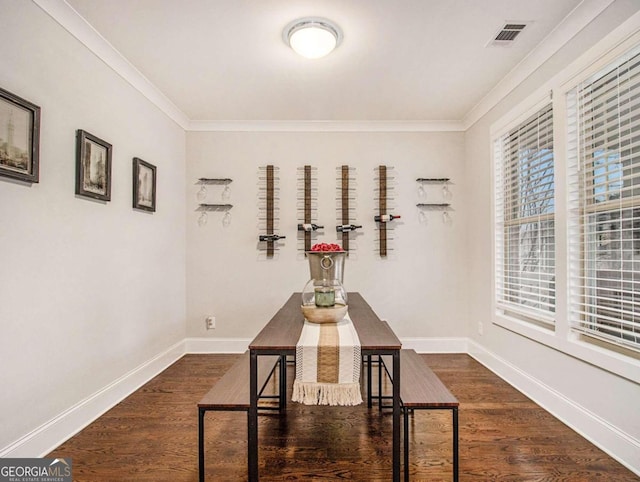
76	25
69	19
65	15
325	126
570	26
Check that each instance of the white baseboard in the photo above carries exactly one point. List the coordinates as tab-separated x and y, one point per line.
48	436
216	345
51	434
612	440
240	345
619	445
436	345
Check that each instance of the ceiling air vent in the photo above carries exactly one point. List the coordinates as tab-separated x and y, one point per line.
508	34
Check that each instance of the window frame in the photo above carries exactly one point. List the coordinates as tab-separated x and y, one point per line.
506	314
589	315
623	363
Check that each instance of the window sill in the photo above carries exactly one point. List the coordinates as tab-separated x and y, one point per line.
536	332
574	345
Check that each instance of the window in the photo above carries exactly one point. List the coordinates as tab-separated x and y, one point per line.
604	189
525	239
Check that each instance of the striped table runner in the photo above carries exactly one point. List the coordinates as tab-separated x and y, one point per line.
328	361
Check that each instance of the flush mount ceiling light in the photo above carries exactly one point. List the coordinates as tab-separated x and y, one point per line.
312	37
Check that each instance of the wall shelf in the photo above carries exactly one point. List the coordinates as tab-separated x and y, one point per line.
434	180
445	182
434	205
214	180
214	207
202	194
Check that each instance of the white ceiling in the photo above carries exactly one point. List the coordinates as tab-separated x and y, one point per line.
402	60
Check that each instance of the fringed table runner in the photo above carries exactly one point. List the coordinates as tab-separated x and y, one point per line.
328	360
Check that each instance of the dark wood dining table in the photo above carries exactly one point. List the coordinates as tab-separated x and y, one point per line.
279	337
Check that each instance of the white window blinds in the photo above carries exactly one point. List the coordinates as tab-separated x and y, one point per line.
604	231
524	203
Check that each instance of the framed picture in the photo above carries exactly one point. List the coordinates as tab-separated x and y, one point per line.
93	166
19	138
144	185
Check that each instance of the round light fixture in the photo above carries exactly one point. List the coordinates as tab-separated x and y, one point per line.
312	37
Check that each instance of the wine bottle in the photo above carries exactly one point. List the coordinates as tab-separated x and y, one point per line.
309	227
270	238
345	228
385	218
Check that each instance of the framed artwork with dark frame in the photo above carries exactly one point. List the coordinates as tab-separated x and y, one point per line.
144	185
93	166
19	138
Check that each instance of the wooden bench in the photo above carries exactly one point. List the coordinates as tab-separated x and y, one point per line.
231	393
421	389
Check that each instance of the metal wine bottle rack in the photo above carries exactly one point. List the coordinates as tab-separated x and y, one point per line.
346	204
307	206
385	200
268	218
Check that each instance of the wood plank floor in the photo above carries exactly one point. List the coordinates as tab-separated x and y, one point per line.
152	436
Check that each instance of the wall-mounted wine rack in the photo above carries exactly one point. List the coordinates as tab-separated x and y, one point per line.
204	208
346	206
385	199
268	219
307	206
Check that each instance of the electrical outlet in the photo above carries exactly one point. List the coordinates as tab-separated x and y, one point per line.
210	322
480	328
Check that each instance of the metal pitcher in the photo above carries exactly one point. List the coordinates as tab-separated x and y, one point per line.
327	265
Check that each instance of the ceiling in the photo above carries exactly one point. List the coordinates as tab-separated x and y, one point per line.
402	60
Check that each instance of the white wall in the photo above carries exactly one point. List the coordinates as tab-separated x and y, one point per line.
88	290
597	402
420	288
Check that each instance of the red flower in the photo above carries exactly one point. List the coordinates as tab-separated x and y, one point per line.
326	247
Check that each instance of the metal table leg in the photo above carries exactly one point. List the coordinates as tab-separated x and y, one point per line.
201	413
282	400
253	418
396	415
369	384
405	414
455	445
380	382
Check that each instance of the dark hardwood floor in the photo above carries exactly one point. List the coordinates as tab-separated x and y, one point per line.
152	436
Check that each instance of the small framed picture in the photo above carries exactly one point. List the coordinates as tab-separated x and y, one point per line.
93	166
144	185
19	138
